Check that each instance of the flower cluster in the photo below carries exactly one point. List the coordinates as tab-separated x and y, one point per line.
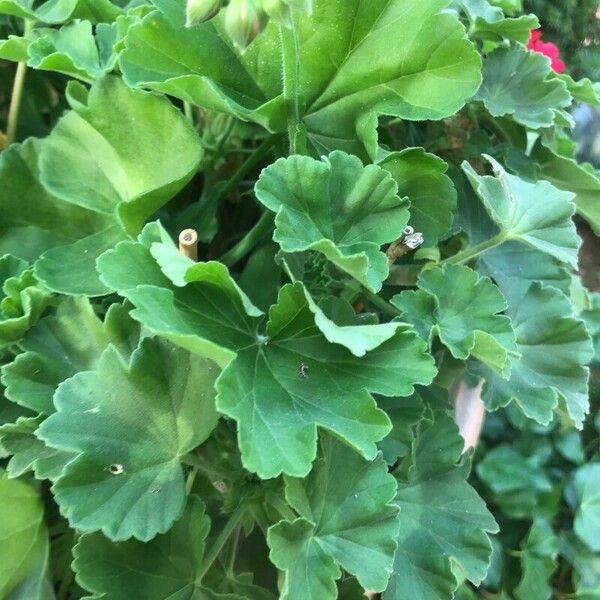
549	49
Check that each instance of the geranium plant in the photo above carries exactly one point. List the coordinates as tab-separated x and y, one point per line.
264	252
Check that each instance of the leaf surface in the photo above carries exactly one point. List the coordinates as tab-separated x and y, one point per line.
347	520
130	424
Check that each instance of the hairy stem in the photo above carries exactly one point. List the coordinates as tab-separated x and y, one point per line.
17	94
474	251
210	469
291	77
250	240
383	305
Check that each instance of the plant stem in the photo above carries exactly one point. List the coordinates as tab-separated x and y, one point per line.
206	467
17	94
233	550
189	484
282	508
291	77
231	525
383	305
65	583
254	159
474	251
250	240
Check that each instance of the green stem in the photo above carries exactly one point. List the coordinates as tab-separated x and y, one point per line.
233	550
474	251
65	583
204	466
216	549
250	240
282	508
189	484
187	111
383	305
17	94
291	78
254	159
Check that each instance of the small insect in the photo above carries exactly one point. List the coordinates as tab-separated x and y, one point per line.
303	371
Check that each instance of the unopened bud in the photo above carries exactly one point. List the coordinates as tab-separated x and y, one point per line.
279	11
242	21
413	240
198	11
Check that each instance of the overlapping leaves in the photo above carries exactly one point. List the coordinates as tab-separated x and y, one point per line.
338	207
340	98
347	520
93	181
287	377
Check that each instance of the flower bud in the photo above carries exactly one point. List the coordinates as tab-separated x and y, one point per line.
198	11
242	21
279	11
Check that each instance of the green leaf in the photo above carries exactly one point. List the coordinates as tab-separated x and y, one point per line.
463	309
75	50
282	389
583	90
489	23
55	350
58	11
22	300
534	213
517	482
554	349
130	424
517	83
23	537
421	177
566	174
587	519
346	520
286	381
538	562
338	207
169	566
28	453
341	97
442	519
591	317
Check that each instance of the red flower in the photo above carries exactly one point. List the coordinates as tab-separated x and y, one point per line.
549	49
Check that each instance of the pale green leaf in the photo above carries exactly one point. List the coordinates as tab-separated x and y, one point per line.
421	177
346	520
130	424
338	207
463	309
58	11
566	174
535	213
489	23
23	537
442	519
516	82
587	518
554	349
427	73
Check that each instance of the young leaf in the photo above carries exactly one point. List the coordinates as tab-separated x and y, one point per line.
537	213
421	177
463	309
75	50
517	83
554	349
346	520
587	519
169	566
442	519
130	425
425	75
22	299
23	537
338	207
489	23
58	11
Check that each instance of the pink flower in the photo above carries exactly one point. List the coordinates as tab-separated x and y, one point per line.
549	49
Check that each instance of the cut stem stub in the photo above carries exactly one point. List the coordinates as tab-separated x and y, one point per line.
188	243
